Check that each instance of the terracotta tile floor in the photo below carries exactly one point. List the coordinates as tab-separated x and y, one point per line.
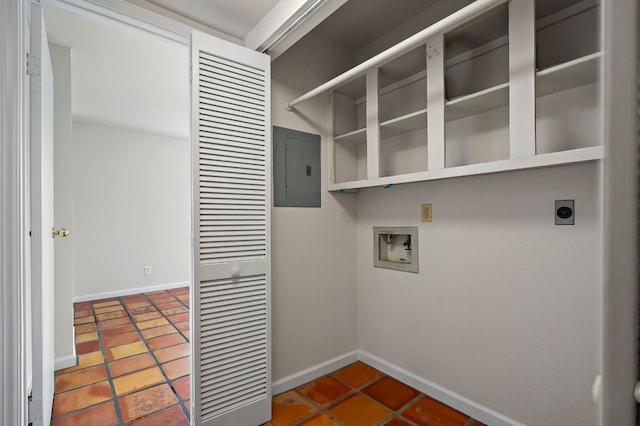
134	370
359	395
133	367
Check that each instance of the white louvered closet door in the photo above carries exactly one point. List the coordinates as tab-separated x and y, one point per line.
231	380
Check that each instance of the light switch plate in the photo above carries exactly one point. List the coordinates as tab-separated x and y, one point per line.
426	213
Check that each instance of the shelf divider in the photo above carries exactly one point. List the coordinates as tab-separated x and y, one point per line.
522	78
373	124
435	103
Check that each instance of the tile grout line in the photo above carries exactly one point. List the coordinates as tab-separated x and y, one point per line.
144	339
187	338
359	390
120	306
398	413
351	392
116	403
189	311
181	402
108	379
322	409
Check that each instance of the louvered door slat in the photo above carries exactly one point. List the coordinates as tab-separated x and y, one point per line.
231	174
218	82
232	105
229	113
215	72
230	152
238	354
213	102
231	66
225	94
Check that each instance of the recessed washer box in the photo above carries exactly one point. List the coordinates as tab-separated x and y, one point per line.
396	247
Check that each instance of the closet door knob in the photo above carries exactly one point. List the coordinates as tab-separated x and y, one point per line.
62	232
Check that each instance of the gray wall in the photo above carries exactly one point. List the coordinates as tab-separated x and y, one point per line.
506	308
313	251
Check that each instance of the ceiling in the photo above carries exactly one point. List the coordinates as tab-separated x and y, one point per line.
359	22
123	76
235	18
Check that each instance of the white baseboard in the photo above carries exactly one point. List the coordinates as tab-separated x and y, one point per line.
69	360
65	362
459	402
128	292
313	373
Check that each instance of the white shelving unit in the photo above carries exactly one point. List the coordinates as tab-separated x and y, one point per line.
510	113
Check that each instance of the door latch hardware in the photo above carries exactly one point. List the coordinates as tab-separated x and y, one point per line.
62	232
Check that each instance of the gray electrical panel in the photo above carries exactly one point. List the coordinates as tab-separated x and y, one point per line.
296	168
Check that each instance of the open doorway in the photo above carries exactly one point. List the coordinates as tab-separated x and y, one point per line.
122	188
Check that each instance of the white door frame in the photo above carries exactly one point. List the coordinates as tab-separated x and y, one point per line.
13	30
620	303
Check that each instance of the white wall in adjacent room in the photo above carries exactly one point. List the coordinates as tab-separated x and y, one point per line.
131	209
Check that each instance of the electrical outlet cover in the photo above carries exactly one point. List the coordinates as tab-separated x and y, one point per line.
565	212
427	213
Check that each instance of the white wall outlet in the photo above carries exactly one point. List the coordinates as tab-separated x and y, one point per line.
147	270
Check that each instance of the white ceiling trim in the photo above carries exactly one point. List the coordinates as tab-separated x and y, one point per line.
283	13
144	4
95	11
288	22
143	15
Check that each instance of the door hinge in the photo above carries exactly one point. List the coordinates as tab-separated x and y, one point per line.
34	409
33	65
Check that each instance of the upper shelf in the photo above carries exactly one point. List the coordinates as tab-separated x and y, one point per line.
575	73
406	123
565	76
477	103
356	136
569	75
